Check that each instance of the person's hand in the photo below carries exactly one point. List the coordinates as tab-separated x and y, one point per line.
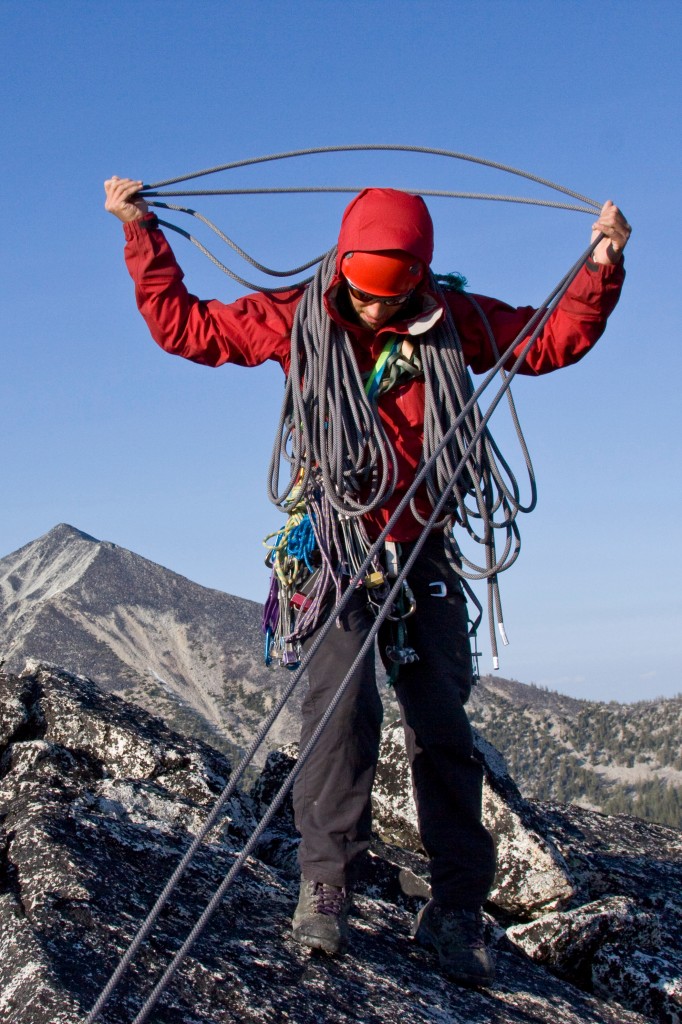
121	200
617	230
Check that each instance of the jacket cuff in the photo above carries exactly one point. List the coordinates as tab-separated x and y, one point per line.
608	268
132	228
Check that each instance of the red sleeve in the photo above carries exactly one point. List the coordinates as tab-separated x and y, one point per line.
247	332
573	328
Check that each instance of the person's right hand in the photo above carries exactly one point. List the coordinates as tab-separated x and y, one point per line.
614	226
120	199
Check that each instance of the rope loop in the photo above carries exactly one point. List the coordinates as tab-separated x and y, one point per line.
155	198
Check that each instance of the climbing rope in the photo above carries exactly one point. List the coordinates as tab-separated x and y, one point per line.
456	451
153	196
376	147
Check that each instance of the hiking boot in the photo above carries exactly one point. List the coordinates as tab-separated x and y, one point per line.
320	920
457	937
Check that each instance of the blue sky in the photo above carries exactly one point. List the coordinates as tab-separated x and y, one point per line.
100	429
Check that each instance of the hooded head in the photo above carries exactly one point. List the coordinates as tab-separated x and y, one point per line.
383	220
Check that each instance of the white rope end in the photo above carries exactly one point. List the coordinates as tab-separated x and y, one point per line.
496	663
503	634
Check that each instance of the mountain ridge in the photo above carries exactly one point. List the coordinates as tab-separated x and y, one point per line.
616	758
194	656
532	693
179	649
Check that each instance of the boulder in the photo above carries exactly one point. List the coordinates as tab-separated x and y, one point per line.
567	941
532	877
640	980
623	856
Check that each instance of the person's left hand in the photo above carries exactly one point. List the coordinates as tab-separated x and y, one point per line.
617	230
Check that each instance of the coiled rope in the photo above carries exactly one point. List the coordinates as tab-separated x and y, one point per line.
432	473
331	435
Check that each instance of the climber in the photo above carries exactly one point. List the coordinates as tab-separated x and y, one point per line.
381	291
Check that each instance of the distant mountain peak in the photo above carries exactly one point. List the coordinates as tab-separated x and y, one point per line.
44	568
64	531
100	610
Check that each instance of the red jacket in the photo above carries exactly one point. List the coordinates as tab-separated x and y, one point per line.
258	326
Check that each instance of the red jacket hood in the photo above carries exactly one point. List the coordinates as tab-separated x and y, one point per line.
383	218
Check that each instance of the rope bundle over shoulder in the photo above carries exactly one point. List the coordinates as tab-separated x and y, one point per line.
327	422
331	439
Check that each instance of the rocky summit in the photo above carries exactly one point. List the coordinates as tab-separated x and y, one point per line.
99	800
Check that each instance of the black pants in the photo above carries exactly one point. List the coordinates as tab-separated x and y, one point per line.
333	793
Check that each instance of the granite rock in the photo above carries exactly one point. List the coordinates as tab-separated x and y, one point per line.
532	877
568	940
627	857
98	800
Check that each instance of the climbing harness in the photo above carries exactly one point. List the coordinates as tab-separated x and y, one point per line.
340	466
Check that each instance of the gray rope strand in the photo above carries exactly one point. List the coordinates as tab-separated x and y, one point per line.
484	476
231	786
149	195
514	416
236	248
327	413
280	796
311	263
246	760
507	168
226	270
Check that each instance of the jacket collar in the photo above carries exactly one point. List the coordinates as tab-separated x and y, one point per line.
425	312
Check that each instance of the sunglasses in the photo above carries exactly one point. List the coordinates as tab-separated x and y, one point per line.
367	299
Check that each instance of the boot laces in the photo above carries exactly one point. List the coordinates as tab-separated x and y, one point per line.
329	899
